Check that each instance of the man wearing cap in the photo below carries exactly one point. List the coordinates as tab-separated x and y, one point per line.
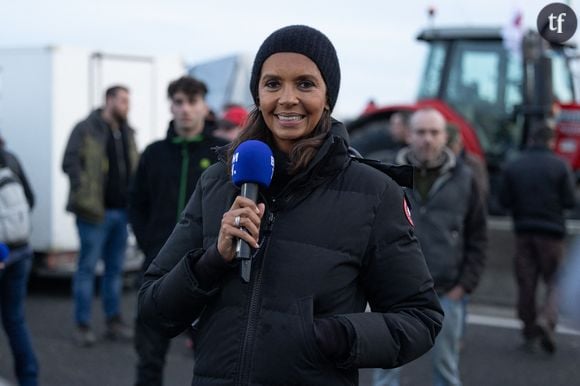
166	176
232	122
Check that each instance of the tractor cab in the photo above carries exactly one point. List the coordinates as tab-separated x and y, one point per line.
497	92
492	94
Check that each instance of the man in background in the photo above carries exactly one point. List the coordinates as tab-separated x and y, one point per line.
17	199
450	223
99	160
537	187
231	123
165	179
382	143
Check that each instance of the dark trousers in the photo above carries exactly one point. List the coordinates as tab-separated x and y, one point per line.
151	349
537	256
150	345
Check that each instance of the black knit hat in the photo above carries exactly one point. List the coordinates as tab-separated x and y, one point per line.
303	40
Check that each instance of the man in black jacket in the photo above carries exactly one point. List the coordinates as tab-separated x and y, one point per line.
450	220
166	176
537	187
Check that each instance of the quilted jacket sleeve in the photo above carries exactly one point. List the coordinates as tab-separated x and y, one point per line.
171	298
406	315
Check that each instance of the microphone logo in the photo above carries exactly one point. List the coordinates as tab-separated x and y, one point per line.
234	161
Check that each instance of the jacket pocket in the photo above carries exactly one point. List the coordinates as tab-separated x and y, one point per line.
306	312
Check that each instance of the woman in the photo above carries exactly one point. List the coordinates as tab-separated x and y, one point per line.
14	273
330	234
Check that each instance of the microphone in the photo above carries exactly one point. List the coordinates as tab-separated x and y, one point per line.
4	252
252	167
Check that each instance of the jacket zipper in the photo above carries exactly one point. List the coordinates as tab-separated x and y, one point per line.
253	309
120	153
183	180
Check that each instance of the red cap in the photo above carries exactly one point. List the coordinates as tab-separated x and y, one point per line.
236	115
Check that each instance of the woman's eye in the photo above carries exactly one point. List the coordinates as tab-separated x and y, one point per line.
271	84
305	84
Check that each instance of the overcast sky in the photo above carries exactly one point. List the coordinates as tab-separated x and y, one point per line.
375	39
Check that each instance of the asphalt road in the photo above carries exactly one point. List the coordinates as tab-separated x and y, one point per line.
490	357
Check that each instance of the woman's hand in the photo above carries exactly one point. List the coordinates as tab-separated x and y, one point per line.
250	215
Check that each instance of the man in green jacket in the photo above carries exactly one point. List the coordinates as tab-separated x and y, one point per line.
99	160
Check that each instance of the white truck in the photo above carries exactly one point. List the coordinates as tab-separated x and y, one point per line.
44	92
227	79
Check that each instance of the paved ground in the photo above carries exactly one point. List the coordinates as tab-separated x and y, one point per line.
490	357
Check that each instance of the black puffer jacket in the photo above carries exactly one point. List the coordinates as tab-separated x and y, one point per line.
334	239
167	169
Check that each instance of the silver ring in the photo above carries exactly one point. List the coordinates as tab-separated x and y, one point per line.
237	221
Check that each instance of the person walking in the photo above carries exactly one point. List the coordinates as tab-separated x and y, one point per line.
15	265
537	187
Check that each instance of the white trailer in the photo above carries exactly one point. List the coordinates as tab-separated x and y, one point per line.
44	92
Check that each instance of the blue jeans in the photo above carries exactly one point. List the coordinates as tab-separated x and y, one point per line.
107	241
445	351
13	283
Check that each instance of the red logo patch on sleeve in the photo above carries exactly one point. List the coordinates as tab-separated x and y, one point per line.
407	212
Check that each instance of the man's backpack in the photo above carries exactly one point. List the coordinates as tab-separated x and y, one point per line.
14	209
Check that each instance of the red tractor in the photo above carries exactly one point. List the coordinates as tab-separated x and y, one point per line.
492	94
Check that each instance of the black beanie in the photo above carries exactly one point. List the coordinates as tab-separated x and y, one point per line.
303	40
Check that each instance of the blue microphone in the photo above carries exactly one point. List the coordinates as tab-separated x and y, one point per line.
252	167
4	252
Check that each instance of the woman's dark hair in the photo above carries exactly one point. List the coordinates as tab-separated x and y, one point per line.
304	149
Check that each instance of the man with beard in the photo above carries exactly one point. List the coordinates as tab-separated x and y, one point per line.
165	179
99	159
450	223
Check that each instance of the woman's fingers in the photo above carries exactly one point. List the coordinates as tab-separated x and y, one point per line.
250	226
251	239
242	221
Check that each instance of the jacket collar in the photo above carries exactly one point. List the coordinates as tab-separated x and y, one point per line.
96	116
447	162
174	138
330	159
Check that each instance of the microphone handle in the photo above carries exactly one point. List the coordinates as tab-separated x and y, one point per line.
243	250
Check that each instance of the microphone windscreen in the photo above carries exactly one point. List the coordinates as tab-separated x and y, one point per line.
252	162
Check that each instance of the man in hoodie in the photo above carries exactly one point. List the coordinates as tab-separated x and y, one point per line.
99	160
165	179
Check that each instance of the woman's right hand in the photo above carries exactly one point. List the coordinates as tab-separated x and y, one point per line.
250	217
